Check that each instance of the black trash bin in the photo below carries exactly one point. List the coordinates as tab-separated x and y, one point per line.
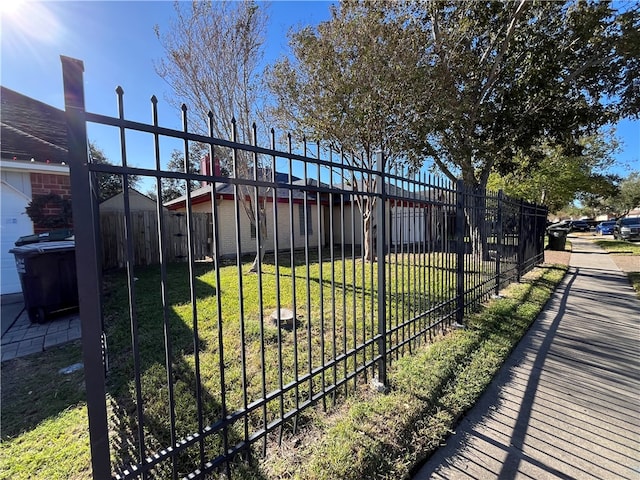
51	236
48	276
557	238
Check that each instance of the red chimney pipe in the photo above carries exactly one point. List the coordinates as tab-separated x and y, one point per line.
205	168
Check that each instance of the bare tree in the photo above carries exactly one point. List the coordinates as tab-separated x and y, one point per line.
213	54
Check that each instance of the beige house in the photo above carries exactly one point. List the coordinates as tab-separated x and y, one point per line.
417	218
408	222
292	208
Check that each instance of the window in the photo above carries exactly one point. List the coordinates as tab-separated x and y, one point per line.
309	219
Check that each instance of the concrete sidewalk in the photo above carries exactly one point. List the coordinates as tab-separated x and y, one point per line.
566	405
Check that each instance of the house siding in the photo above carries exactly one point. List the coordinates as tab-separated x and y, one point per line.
352	225
227	230
36	178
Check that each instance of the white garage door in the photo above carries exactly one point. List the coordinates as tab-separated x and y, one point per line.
14	224
407	225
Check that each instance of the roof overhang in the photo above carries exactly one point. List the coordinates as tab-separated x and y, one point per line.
27	167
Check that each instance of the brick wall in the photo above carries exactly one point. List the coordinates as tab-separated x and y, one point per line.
45	184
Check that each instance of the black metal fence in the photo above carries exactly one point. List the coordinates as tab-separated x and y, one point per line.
190	363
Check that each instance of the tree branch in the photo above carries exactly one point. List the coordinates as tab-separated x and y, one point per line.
591	63
443	167
495	70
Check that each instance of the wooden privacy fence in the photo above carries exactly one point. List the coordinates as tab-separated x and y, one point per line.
144	235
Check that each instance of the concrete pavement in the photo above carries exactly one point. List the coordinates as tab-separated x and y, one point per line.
12	305
566	405
20	337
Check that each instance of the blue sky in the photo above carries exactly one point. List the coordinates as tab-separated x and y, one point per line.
117	43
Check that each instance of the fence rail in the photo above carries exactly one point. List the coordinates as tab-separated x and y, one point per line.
207	359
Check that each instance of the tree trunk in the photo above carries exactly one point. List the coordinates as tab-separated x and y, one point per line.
262	219
368	249
258	259
479	239
475	212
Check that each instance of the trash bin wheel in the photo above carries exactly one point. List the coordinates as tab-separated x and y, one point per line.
37	315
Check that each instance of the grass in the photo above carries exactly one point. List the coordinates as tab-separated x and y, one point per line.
386	436
619	247
44	423
39	392
634	278
43	409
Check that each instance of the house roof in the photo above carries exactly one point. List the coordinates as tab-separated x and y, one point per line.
138	201
31	129
227	189
428	194
224	189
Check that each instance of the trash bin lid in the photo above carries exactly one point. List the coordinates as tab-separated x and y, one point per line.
43	247
51	236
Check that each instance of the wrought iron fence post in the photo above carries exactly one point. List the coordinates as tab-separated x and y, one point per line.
460	250
382	261
521	242
499	235
542	232
85	209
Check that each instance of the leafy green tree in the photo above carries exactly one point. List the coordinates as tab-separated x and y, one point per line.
492	82
500	79
109	184
556	179
630	193
626	199
173	188
570	211
343	87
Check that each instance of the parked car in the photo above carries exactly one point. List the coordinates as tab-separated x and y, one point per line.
627	228
561	224
605	228
579	226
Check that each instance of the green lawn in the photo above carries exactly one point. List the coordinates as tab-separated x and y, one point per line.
44	421
385	436
349	295
44	410
619	247
634	278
